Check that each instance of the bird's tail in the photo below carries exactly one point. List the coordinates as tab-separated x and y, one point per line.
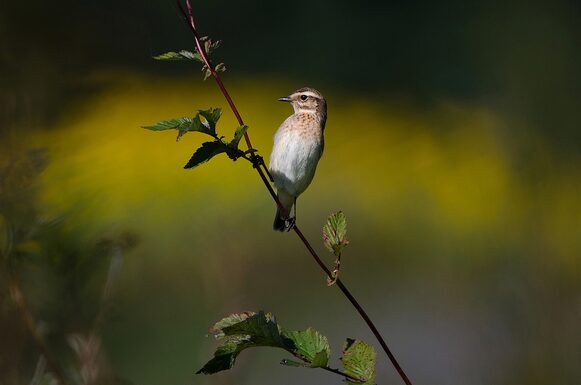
279	223
281	219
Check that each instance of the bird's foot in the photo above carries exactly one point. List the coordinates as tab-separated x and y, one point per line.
256	159
258	162
290	223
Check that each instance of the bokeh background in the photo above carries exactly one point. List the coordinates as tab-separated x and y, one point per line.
452	145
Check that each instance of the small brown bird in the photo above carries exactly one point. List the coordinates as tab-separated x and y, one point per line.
298	146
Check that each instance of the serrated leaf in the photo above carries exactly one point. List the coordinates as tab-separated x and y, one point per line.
334	233
181	55
169	56
183	125
180	124
310	346
238	135
232	319
191	55
225	356
359	359
261	327
205	153
241	331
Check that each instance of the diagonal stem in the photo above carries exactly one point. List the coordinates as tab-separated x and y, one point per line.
347	376
192	25
201	50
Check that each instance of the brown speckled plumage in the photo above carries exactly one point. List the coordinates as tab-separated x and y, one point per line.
298	146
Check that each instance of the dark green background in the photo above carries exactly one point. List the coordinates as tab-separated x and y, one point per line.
521	56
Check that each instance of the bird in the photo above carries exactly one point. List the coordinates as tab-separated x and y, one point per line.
297	149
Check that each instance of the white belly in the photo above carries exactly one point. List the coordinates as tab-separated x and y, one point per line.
294	160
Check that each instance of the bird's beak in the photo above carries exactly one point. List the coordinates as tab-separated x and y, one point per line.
284	99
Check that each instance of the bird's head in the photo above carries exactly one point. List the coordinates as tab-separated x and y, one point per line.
307	100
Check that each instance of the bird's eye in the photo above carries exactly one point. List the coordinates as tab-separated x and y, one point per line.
304	97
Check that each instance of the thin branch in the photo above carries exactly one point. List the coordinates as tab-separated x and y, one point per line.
191	23
337	371
357	306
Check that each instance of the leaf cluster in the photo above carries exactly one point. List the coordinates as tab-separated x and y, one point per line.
209	47
241	331
205	122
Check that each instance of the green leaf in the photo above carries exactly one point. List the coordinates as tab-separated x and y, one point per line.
241	331
171	124
195	124
238	134
261	327
205	153
211	115
181	55
169	56
334	233
183	125
233	151
359	359
191	55
310	346
232	319
225	356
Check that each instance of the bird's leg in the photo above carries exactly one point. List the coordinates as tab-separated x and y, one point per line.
256	159
291	221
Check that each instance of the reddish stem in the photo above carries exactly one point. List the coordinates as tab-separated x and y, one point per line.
202	51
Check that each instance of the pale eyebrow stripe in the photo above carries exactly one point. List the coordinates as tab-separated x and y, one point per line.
308	93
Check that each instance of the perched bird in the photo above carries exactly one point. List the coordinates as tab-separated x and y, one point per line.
298	146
